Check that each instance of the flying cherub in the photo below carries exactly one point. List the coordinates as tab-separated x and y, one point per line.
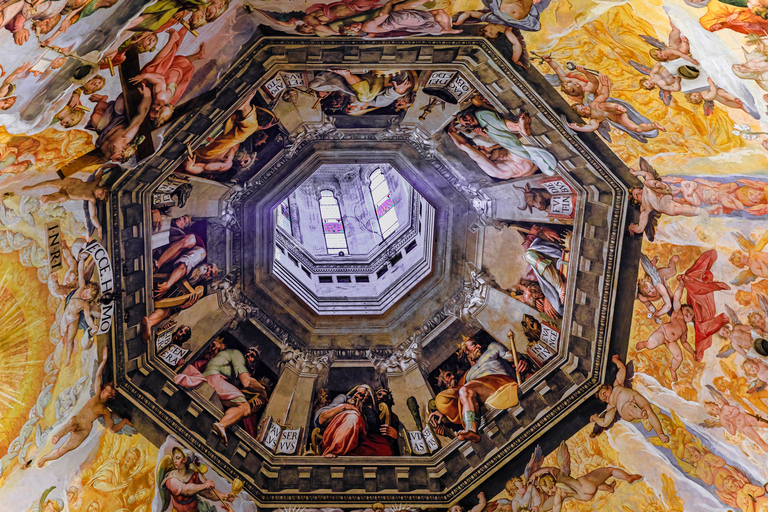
654	285
558	484
751	258
677	48
81	424
733	419
658	76
673	331
656	198
708	97
624	403
738	335
600	110
703	192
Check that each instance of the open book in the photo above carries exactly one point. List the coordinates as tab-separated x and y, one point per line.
279	440
422	442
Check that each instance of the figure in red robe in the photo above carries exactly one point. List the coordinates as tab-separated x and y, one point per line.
701	286
169	74
352	426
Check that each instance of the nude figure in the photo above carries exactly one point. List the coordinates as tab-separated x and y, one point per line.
117	143
656	196
752	257
676	329
78	302
496	161
740	337
654	287
733	419
481	503
700	191
561	486
73	189
678	47
81	424
661	78
7	100
316	17
715	93
600	109
628	403
572	85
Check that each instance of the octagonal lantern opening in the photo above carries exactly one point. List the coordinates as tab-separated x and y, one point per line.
352	238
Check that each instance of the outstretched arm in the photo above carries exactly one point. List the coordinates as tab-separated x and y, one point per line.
94	218
481	502
97	378
605	421
604	91
556	68
676	304
591	126
142	111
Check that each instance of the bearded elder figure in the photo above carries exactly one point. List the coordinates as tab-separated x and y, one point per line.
352	425
489	381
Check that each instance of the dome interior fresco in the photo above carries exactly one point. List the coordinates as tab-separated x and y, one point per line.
383	256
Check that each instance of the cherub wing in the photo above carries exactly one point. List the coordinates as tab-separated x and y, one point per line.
604	129
752	183
629	374
564	459
553	79
127	430
745	243
166	463
646	167
709	107
744	277
650	226
760	209
650	270
732	315
726	351
717	395
534	464
666	97
641	68
653	42
763	301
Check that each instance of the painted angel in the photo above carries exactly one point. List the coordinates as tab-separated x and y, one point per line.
623	402
603	112
658	76
678	47
751	258
738	335
523	495
558	484
708	97
704	192
733	419
655	198
654	286
182	485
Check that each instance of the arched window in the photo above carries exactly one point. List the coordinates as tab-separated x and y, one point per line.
382	201
284	216
333	227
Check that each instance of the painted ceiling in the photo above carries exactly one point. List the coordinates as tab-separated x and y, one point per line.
367	255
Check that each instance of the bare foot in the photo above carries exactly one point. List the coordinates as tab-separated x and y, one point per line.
634	478
221	432
674	374
640	346
330	456
145	329
468	435
200	54
524	123
611	485
658	125
40	463
450	31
